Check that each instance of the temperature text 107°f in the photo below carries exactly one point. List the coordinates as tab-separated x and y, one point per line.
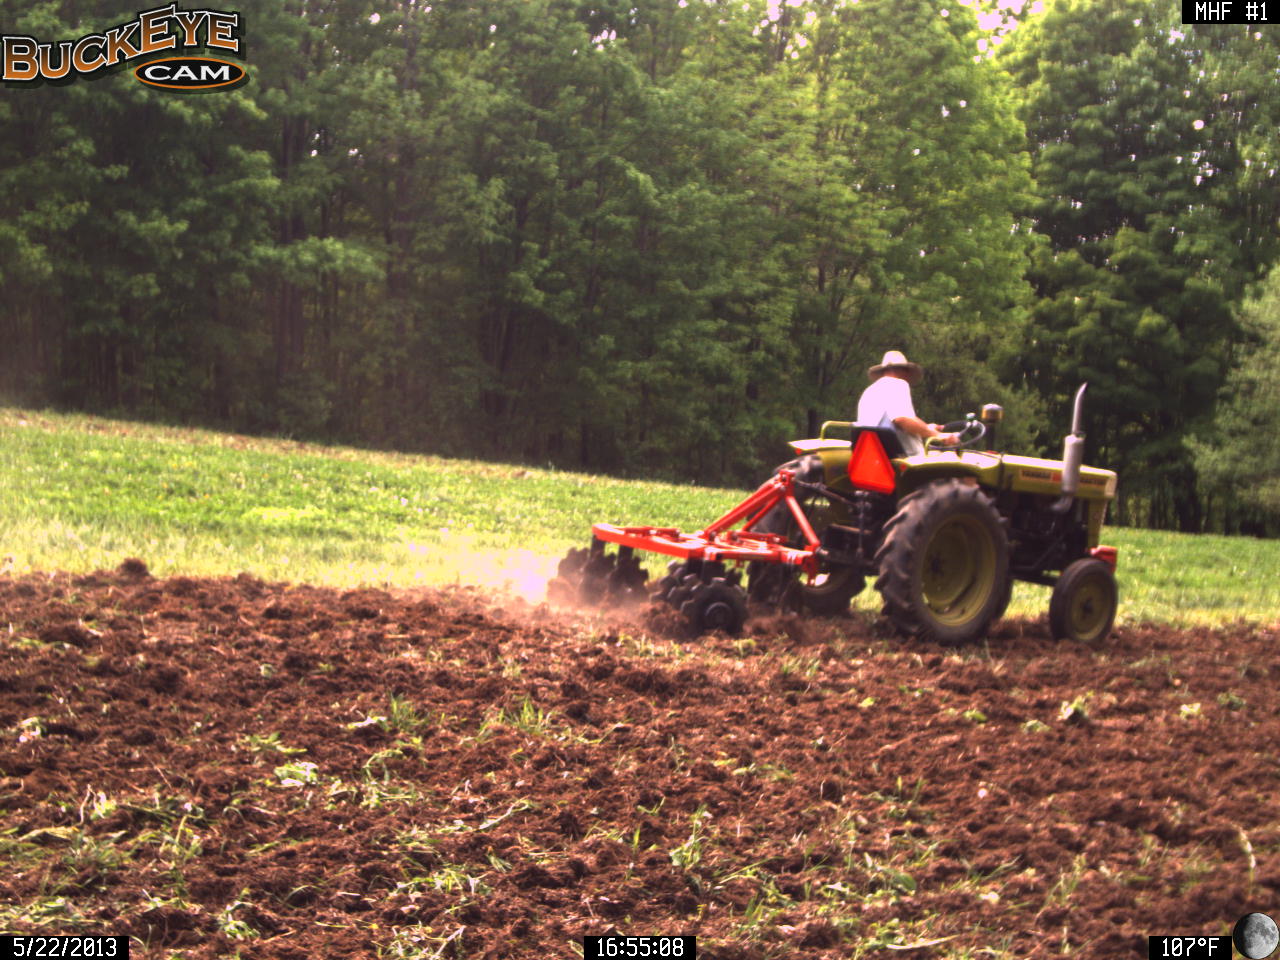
1188	948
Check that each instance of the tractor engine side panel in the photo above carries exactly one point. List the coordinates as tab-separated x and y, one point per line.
1041	539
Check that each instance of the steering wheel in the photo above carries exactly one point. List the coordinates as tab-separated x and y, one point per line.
970	430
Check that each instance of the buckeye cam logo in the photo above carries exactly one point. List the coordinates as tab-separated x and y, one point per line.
26	60
189	73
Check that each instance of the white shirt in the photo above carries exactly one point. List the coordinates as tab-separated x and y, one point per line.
885	401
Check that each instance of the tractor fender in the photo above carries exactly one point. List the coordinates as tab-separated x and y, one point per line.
915	472
834	467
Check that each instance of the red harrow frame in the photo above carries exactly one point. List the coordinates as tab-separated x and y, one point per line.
719	542
698	584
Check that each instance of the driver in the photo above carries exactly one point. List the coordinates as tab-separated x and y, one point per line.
887	402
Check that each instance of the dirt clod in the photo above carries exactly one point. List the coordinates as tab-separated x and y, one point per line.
133	569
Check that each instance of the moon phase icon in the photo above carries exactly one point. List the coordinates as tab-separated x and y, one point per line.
1255	936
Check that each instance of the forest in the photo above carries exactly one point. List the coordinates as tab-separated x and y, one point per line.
662	237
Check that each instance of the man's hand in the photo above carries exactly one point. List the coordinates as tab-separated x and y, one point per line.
946	439
918	428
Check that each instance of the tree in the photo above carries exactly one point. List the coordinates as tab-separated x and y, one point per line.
109	247
917	165
1237	461
1141	260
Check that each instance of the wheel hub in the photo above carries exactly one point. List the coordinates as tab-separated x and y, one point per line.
1089	608
718	616
958	568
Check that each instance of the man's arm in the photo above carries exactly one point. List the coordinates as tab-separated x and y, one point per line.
918	428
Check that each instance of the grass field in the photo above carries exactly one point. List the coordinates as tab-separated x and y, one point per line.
80	493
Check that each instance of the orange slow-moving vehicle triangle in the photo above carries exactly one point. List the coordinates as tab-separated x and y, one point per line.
869	466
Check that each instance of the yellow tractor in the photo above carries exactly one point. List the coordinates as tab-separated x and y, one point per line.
944	533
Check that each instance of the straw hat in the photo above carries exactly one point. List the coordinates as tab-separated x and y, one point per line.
895	360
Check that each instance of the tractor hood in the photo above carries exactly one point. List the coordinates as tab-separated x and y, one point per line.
1007	472
1034	475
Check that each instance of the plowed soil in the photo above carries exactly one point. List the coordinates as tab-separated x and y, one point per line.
223	767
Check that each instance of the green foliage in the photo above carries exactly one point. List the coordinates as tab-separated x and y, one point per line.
646	239
651	239
1171	577
85	497
1138	129
904	199
1235	458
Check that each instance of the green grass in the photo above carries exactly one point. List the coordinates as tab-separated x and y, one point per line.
1197	579
80	493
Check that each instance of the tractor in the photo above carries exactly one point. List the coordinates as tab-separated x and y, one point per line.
944	533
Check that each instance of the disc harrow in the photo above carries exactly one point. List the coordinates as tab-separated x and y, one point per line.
699	582
588	576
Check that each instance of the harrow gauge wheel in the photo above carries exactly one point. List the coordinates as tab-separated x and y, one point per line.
1083	604
683	590
718	605
676	571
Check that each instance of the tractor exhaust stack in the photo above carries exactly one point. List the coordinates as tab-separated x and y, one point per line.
1072	455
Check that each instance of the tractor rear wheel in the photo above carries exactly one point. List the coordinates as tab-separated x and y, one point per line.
1006	595
1083	604
828	594
944	563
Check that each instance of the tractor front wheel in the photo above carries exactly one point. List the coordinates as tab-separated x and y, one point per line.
944	563
1083	604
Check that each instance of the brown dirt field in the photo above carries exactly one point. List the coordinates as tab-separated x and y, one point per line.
231	767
